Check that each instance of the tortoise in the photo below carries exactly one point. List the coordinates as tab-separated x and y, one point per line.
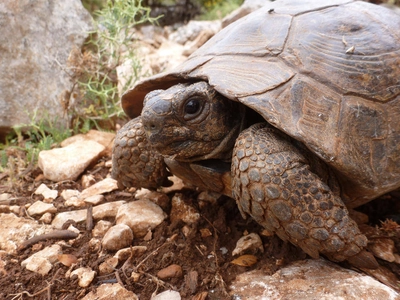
293	111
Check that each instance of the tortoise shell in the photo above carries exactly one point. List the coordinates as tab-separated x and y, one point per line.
326	73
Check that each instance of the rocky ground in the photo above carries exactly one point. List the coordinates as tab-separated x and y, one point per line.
68	232
86	239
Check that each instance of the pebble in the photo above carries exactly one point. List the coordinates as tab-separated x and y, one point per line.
46	192
250	243
172	271
167	295
85	276
113	291
182	211
42	261
117	237
105	186
124	254
39	208
140	216
108	266
95	199
101	228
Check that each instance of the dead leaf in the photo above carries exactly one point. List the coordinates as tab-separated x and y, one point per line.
246	260
67	259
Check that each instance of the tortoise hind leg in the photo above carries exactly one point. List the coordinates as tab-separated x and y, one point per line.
134	164
273	183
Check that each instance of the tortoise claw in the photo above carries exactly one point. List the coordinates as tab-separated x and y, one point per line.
363	260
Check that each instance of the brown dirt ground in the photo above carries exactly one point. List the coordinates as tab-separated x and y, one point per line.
192	252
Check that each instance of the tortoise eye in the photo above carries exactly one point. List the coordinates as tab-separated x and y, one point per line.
192	106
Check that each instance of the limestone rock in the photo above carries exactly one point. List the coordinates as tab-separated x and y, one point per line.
85	276
182	211
117	237
69	162
14	231
167	295
101	187
46	192
41	262
140	216
111	291
39	208
104	138
106	210
250	243
37	38
308	280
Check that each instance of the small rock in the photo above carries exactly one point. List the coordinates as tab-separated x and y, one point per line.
5	196
108	266
39	208
182	211
94	245
319	279
85	276
75	202
124	254
161	199
172	271
112	291
250	243
107	210
46	218
140	216
87	181
75	215
95	199
41	262
382	248
68	194
46	192
68	163
117	237
101	187
167	295
101	228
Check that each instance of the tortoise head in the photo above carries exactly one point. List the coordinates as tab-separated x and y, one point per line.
191	122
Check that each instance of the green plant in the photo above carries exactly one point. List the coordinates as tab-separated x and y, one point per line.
217	9
19	153
109	45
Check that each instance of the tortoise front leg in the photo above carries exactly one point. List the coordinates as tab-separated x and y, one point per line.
273	183
135	164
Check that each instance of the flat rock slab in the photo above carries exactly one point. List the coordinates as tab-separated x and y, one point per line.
69	162
310	280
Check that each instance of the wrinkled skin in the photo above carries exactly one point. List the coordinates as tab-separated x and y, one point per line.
211	142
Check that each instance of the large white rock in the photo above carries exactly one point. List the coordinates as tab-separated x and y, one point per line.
69	162
309	280
36	40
